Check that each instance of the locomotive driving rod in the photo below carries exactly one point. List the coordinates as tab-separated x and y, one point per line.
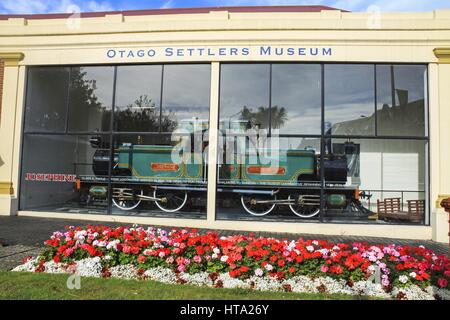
285	202
130	195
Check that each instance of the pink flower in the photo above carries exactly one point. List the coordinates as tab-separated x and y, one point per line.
324	269
197	259
162	254
181	268
443	283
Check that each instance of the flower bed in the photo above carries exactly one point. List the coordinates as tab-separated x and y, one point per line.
185	256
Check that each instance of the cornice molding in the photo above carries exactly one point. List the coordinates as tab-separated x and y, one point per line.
443	54
11	59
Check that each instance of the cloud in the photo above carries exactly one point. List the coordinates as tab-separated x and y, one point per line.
389	5
45	6
167	4
22	6
48	6
351	5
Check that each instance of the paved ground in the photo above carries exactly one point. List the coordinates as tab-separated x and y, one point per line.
23	236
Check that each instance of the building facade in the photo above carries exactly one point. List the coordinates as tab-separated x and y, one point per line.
292	119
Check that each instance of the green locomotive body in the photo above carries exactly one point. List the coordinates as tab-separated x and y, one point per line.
263	177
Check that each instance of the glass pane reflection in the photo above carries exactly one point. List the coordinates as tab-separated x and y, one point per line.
185	94
349	99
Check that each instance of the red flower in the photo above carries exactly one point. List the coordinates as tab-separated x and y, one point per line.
92	251
243	269
200	250
281	263
299	259
273	258
292	269
142	259
57	259
235	273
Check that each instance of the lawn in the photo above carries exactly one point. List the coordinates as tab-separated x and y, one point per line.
38	286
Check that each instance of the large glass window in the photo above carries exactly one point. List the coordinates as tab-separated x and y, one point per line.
390	176
47	97
138	98
289	171
401	100
185	95
128	168
90	99
298	142
349	99
296	98
244	94
54	165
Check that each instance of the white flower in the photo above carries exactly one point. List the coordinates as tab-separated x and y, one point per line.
269	267
112	245
214	256
413	275
315	242
216	251
310	248
124	272
224	258
291	245
403	279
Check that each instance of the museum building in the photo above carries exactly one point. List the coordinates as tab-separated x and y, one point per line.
303	119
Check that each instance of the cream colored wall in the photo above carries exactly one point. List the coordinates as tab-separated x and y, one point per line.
353	37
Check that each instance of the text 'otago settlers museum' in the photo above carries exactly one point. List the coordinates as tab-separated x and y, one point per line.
203	52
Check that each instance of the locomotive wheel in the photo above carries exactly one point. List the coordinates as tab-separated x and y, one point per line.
303	211
125	204
173	200
249	203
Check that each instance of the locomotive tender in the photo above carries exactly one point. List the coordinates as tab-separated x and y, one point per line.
149	173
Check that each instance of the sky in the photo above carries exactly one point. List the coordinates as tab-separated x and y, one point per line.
60	6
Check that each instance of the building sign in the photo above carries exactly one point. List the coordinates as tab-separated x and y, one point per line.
217	52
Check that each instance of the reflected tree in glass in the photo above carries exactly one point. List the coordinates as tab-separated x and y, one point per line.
87	110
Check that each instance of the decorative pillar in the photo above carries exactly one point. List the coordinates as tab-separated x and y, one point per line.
439	137
11	94
213	143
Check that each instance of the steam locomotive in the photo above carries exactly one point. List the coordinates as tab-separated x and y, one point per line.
262	179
